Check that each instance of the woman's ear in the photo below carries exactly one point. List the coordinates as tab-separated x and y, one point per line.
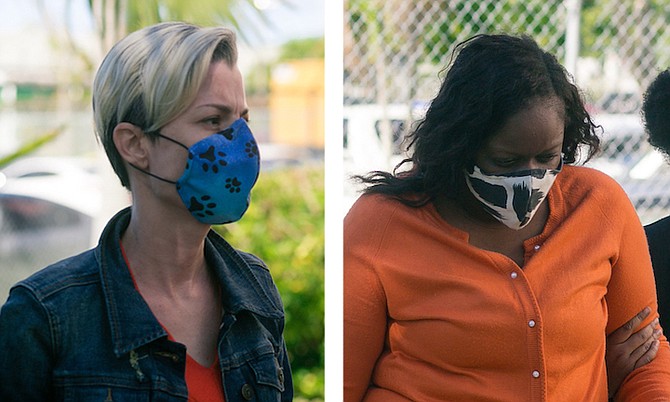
131	142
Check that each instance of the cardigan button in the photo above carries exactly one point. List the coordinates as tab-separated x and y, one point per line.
531	323
247	392
513	275
536	374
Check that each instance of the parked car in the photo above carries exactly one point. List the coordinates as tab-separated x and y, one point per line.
641	170
47	212
617	103
367	145
374	137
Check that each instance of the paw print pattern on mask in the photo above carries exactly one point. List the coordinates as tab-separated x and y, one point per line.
228	133
220	171
202	208
215	159
233	185
251	148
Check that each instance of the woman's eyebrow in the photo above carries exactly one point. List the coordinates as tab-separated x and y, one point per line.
221	107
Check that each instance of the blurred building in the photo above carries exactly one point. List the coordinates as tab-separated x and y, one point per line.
297	103
39	65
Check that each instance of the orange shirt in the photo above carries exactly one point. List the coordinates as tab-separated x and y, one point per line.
428	317
204	383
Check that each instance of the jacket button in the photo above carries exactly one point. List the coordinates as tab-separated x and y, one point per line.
247	392
281	376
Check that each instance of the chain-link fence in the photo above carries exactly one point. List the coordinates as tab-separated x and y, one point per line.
395	50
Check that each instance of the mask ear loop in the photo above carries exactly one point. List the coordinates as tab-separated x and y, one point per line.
153	175
170	139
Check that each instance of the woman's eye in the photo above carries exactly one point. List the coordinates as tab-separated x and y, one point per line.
505	162
213	122
546	158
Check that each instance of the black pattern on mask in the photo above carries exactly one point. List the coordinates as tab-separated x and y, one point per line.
202	208
228	133
496	195
233	184
525	200
215	160
251	148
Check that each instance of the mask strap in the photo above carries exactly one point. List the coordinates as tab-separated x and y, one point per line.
170	139
152	175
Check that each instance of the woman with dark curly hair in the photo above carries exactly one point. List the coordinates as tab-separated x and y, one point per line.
491	268
656	113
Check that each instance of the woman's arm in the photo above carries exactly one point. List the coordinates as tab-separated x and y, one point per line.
364	329
287	395
631	287
627	350
365	313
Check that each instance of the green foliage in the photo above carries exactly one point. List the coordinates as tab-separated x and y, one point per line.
257	79
115	18
512	17
207	12
302	49
600	28
30	147
285	227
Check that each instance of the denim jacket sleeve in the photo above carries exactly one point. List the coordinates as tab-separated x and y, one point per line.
287	395
26	349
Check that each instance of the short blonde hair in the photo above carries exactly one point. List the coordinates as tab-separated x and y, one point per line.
151	76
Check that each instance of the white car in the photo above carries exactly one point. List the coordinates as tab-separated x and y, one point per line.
47	212
642	171
373	137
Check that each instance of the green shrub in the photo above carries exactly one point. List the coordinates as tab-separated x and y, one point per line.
285	227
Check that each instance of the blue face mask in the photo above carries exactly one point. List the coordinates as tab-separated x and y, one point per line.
220	171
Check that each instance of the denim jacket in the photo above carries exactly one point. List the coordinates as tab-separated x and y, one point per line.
79	331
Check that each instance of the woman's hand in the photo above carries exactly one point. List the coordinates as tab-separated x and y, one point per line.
627	350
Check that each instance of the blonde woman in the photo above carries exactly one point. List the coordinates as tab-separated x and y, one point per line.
163	308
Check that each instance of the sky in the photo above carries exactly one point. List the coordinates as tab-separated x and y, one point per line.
304	18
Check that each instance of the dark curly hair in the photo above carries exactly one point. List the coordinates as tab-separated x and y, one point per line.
656	112
491	78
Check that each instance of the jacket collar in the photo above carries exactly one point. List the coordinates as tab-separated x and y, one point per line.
242	287
131	321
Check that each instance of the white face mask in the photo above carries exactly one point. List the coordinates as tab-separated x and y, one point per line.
512	198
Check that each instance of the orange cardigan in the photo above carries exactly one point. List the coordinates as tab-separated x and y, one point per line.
428	317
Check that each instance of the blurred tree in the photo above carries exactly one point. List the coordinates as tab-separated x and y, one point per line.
603	26
114	19
378	34
436	27
302	49
30	146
